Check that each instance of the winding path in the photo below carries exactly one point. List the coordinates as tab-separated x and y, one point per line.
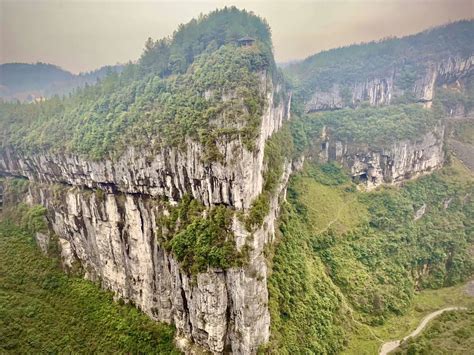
392	345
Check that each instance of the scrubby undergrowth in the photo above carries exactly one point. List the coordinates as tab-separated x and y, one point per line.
43	310
341	250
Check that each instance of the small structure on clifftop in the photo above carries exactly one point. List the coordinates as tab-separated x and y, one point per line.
246	41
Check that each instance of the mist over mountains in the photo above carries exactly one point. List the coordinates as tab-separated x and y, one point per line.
33	82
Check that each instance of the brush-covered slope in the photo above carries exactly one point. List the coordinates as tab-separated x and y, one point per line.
407	69
345	260
155	180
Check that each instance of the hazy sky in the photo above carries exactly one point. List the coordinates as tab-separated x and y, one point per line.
84	35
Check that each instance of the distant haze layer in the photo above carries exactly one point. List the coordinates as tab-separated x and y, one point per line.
84	35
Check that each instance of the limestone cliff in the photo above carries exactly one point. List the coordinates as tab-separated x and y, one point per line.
390	163
390	87
112	234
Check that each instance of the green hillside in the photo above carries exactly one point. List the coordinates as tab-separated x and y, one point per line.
407	57
43	310
161	100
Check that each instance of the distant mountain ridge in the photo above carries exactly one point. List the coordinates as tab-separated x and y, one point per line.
29	82
394	70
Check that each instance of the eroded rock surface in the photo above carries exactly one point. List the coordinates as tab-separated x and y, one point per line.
391	164
104	214
384	89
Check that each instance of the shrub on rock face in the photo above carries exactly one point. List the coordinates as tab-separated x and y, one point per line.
200	238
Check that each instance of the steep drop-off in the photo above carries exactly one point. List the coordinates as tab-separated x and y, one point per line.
390	71
104	209
166	184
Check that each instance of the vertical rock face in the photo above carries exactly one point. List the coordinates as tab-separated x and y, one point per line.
382	90
112	234
235	181
391	164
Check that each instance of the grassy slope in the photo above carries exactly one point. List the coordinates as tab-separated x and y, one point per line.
42	310
464	132
451	333
340	250
367	340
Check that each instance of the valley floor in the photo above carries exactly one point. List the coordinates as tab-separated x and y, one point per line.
368	340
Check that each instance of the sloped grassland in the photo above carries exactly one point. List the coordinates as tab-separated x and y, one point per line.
347	258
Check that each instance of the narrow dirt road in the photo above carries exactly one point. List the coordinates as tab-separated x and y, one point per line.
392	345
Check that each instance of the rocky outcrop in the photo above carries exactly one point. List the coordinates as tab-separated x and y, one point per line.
391	164
234	181
385	89
376	92
104	214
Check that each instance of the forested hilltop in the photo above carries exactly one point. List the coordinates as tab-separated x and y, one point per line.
299	211
176	89
35	82
395	70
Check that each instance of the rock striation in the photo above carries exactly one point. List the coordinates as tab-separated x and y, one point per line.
104	214
389	87
389	164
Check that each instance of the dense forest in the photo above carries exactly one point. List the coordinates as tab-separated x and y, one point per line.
168	84
343	258
407	57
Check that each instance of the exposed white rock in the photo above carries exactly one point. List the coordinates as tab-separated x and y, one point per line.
112	235
392	164
420	212
171	172
382	90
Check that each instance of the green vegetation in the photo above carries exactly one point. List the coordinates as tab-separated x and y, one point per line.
42	310
361	62
278	150
200	238
364	252
366	340
450	333
374	126
306	308
175	91
454	98
464	132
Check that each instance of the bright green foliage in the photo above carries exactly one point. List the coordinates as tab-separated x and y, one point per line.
42	310
375	126
367	251
328	174
450	333
306	308
366	340
175	91
200	238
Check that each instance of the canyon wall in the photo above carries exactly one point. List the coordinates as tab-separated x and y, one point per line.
391	163
104	214
387	88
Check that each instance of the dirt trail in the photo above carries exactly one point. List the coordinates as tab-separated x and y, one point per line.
392	345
